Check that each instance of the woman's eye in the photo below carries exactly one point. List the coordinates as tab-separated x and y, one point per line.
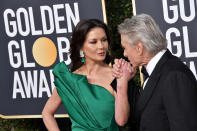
105	39
93	42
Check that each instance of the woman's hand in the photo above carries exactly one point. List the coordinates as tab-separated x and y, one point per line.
123	70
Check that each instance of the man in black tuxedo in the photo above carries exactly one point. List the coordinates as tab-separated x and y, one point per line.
168	98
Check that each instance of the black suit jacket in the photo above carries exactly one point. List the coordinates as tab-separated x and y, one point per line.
169	99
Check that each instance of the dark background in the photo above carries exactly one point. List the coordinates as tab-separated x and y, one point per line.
33	106
116	11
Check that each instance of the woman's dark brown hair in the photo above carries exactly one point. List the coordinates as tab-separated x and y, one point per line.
78	38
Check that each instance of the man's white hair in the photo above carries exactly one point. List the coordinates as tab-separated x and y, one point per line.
142	28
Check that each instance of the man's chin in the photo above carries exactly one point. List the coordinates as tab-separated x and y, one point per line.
134	66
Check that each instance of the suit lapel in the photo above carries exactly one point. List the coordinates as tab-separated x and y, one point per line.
151	84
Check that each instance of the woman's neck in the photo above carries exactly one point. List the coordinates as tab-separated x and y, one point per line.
91	68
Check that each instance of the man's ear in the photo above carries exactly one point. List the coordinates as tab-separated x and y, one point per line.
139	48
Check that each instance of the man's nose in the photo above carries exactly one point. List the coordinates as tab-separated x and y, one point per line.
125	54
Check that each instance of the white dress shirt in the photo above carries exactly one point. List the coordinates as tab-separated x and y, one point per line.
152	63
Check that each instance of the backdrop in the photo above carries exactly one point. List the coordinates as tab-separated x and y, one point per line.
34	37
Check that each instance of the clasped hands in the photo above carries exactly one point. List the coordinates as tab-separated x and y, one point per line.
122	70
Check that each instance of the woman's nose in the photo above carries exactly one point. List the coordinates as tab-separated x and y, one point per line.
100	44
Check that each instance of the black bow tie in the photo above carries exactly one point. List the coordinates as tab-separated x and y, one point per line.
145	73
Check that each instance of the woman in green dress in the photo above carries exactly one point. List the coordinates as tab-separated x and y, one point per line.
85	89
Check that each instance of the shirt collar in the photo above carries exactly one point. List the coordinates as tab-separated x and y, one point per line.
152	63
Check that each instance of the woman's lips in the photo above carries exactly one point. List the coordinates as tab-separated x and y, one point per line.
101	53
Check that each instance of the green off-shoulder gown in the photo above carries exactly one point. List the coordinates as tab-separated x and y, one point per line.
90	107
